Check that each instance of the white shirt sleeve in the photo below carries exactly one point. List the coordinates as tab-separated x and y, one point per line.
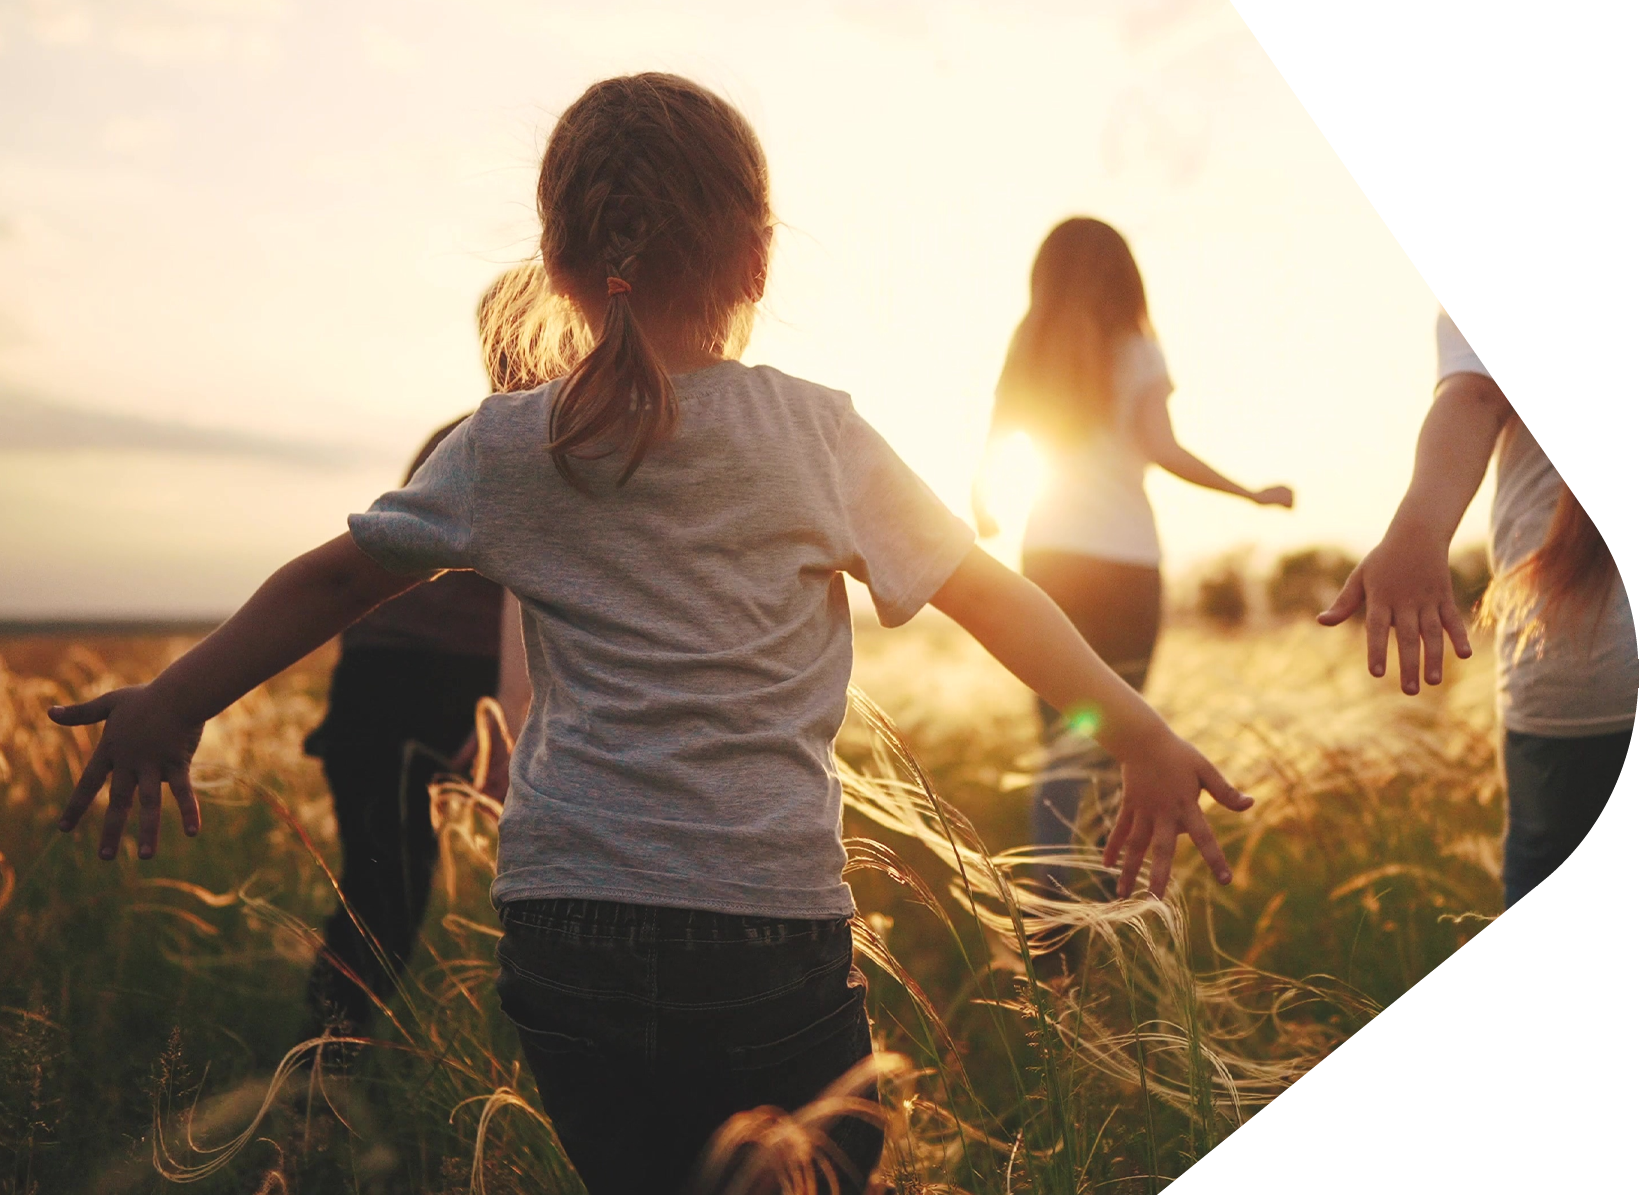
1455	355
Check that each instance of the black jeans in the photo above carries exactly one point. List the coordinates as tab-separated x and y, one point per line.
647	1028
1117	609
1557	789
395	718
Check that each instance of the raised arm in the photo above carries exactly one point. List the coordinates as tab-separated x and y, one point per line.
1162	775
152	730
1156	435
1404	583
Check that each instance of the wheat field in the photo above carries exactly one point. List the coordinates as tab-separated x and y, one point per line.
1031	1039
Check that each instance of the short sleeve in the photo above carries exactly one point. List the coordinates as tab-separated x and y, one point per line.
1455	355
426	526
907	542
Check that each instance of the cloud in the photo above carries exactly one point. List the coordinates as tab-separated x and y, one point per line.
34	426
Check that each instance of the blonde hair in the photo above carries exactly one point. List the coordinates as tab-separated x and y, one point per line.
526	334
655	189
1085	294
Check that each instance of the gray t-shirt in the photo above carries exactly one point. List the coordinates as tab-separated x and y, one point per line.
1586	683
688	634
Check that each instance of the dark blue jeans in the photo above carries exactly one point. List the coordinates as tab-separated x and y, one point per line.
1557	789
646	1028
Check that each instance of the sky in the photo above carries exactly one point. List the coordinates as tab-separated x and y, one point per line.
241	242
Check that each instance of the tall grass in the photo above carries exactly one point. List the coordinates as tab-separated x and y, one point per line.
151	1019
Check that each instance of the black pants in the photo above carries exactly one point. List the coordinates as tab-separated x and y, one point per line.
646	1028
1557	789
1117	609
394	720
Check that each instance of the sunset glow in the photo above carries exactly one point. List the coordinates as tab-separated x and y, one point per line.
259	232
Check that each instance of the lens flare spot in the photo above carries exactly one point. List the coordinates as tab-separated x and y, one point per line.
1084	721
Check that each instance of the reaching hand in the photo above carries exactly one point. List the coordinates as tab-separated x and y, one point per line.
1275	495
1160	800
1404	583
143	746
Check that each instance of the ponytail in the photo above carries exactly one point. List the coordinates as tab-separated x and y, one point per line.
617	398
655	190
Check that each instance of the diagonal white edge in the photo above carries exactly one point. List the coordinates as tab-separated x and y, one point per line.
1496	141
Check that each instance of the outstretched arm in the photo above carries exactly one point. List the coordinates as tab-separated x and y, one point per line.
1162	775
1404	583
151	730
1156	435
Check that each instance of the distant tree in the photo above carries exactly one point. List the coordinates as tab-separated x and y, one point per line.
1306	582
1222	596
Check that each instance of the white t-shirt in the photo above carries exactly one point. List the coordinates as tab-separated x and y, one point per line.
1585	683
1094	502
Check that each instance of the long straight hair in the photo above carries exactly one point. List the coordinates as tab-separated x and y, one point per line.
1565	585
1085	296
654	191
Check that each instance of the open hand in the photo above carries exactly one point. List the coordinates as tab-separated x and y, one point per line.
1275	495
143	745
1404	583
1160	800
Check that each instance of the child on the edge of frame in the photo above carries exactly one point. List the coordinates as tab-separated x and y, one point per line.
676	526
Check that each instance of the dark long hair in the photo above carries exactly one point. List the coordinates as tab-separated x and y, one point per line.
656	189
1085	295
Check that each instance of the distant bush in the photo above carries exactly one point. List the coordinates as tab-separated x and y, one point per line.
1470	577
1222	596
1306	582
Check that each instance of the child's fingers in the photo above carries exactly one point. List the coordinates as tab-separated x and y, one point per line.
1118	835
86	790
84	714
1195	825
1137	846
1434	646
1166	845
1377	639
186	803
1220	789
1452	619
1405	634
121	789
148	810
1349	599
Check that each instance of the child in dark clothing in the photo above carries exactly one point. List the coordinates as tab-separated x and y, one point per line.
402	698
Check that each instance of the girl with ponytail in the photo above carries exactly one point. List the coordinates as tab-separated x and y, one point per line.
676	527
1567	663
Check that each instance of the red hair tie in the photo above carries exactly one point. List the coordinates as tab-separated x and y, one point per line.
618	286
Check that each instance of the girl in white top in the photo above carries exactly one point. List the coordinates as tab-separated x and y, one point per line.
1567	664
1085	379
